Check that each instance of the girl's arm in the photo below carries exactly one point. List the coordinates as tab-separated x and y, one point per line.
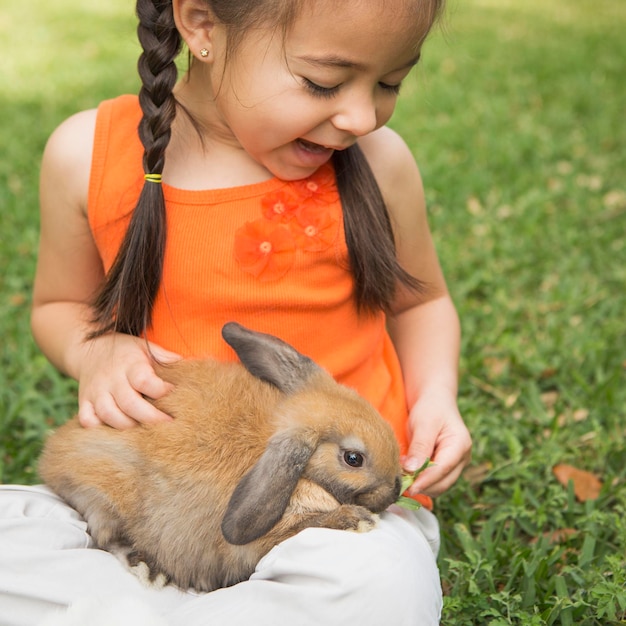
426	337
113	371
424	327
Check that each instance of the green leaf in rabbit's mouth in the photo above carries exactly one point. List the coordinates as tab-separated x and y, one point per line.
408	479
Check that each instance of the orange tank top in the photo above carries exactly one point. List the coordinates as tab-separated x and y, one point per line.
271	256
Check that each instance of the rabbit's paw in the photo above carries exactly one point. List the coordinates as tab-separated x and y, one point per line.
138	565
355	518
365	525
149	577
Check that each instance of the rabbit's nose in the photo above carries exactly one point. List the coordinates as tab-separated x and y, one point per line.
398	486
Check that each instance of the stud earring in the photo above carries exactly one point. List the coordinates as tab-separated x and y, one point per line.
204	53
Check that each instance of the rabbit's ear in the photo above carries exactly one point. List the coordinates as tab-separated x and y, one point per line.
269	358
262	495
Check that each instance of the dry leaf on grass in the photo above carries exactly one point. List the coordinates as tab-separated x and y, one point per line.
550	398
580	415
560	535
496	366
586	485
17	299
549	372
476	474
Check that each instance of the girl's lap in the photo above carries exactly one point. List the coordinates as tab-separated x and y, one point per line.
320	576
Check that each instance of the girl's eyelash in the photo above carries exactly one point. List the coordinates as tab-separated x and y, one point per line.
318	90
395	89
329	92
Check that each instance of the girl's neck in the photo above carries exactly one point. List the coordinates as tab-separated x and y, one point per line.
203	153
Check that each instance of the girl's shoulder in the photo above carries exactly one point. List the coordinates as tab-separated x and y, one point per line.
70	149
67	156
394	168
78	130
385	146
72	142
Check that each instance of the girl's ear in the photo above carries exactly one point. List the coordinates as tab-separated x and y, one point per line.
195	23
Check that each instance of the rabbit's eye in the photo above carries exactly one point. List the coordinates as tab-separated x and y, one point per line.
353	459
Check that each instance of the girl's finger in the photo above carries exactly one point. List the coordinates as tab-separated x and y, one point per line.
161	355
144	380
448	463
436	483
423	443
108	412
140	410
87	415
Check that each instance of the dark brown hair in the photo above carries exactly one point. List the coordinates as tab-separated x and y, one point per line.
125	301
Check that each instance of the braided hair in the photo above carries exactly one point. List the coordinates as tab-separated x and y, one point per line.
125	301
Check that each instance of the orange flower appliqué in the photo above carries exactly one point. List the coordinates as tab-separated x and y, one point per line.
317	228
265	249
319	188
304	215
280	206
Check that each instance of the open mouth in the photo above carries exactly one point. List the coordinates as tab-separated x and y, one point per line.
315	148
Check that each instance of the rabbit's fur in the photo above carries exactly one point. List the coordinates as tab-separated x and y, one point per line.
253	456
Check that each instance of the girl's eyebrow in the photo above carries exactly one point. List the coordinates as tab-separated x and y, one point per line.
333	60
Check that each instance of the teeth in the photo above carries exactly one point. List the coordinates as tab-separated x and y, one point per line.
312	147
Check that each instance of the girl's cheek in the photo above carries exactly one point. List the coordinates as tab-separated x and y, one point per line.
385	113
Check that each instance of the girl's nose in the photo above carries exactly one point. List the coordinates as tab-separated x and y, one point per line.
357	116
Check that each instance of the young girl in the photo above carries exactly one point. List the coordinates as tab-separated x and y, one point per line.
263	187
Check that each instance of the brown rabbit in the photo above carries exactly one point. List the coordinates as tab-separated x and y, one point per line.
252	457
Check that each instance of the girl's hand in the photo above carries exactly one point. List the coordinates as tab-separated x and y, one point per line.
116	377
437	432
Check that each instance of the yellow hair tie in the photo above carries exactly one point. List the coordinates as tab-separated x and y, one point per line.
153	178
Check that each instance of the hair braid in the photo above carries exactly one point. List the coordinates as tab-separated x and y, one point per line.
161	44
124	304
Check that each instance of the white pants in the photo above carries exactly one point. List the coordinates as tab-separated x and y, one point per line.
320	577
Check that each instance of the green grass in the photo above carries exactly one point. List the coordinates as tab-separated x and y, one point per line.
517	119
